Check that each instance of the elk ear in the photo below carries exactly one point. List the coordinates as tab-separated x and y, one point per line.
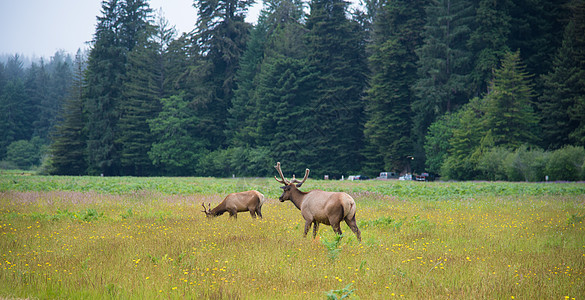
283	187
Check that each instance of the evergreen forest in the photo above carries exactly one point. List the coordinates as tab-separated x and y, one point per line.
465	89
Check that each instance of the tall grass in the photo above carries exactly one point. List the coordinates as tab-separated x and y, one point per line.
83	237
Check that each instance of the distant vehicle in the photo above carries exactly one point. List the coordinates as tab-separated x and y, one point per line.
358	177
351	177
388	175
425	177
405	177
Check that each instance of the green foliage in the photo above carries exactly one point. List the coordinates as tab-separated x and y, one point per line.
509	112
337	91
176	150
25	154
526	164
343	293
437	142
121	27
69	140
489	40
444	65
332	246
502	118
566	164
221	35
333	123
142	91
562	102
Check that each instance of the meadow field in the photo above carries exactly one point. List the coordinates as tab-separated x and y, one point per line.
146	238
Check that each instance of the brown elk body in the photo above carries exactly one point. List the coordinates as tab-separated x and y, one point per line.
320	207
238	202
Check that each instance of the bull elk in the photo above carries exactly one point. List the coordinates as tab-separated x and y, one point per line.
238	202
318	206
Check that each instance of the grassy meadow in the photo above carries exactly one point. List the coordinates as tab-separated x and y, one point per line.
146	238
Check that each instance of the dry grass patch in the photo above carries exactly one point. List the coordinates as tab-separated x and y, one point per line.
149	245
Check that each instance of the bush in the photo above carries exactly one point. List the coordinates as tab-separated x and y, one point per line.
526	165
493	164
566	164
25	154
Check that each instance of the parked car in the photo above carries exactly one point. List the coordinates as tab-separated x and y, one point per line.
425	177
360	177
388	175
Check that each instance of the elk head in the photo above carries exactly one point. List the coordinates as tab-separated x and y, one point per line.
207	210
289	186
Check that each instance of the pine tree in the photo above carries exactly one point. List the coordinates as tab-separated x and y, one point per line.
489	41
240	123
336	54
221	36
536	29
117	33
60	69
176	150
17	111
144	86
396	35
563	101
68	156
468	129
444	64
37	89
510	114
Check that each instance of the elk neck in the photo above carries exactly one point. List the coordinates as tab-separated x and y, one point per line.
297	197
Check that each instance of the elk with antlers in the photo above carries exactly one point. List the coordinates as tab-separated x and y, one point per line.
238	202
318	206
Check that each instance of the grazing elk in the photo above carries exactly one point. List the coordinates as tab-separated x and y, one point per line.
318	206
238	202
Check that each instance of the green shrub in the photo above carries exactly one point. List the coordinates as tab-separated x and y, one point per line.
526	164
566	164
492	164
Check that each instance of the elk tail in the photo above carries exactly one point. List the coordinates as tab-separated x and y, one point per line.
261	198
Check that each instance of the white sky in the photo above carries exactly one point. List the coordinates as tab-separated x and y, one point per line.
39	28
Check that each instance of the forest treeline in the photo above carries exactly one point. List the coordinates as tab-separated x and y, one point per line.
468	89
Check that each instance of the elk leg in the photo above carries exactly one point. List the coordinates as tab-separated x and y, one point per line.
315	229
259	211
253	213
353	226
336	228
233	213
307	226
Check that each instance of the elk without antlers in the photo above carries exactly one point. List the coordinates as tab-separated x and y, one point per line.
237	202
318	206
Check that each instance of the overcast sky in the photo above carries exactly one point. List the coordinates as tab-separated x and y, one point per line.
39	28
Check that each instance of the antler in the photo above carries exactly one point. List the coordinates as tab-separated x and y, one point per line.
204	208
299	183
283	180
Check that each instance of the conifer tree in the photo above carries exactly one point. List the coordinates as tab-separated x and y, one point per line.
489	41
176	149
444	64
388	129
510	114
563	101
68	149
117	33
144	86
336	54
221	35
17	111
